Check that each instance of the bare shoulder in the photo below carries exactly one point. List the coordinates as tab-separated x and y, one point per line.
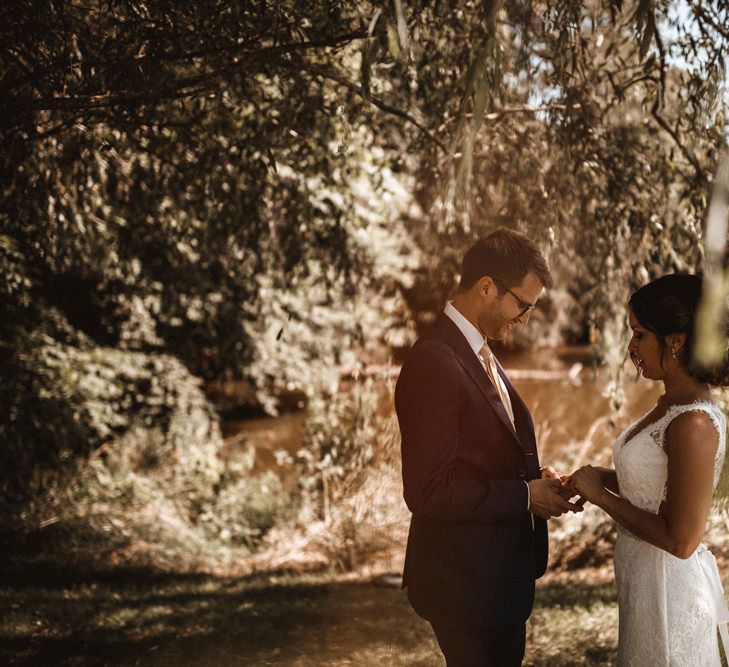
692	431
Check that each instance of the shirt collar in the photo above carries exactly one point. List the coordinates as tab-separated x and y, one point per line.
472	335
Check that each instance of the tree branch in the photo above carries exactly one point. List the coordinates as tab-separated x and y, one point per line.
499	113
328	73
184	87
701	13
658	105
658	102
677	140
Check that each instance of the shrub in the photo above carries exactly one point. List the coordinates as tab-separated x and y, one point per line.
349	479
108	435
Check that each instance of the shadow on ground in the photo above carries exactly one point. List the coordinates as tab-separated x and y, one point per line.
61	613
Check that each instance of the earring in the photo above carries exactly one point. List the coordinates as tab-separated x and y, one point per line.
673	352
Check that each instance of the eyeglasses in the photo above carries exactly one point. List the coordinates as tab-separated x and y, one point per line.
526	307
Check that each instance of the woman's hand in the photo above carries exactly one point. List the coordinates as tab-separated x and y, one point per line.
587	482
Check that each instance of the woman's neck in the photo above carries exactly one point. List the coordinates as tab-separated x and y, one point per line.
680	387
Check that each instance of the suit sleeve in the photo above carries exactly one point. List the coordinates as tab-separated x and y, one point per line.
435	483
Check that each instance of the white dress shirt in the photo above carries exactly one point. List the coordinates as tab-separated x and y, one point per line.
476	342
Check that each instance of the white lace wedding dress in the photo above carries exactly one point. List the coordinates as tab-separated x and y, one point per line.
669	608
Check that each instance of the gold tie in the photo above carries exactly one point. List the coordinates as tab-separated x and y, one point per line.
493	373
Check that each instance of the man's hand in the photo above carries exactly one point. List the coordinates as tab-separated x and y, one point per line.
547	500
548	472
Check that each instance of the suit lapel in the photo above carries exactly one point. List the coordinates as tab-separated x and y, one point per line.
477	373
525	425
473	367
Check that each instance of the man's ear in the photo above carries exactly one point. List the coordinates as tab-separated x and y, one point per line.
485	286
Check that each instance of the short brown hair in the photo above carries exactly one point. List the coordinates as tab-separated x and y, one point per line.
506	256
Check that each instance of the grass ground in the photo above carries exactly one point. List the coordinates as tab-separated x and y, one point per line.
61	606
56	611
56	614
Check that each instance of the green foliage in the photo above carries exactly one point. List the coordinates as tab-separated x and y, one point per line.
590	145
83	396
279	193
103	432
348	474
595	127
245	508
348	434
151	227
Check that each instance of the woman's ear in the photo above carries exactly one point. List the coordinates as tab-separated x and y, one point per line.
676	341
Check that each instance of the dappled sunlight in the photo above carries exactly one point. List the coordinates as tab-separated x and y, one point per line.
223	226
147	618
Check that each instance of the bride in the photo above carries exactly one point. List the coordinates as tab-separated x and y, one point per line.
666	468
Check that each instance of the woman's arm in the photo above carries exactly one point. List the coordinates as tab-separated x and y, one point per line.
691	444
609	479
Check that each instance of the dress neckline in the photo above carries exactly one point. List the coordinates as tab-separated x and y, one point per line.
669	410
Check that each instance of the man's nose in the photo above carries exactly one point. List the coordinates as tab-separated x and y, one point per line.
524	319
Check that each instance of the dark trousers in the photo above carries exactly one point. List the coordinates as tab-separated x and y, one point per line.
490	647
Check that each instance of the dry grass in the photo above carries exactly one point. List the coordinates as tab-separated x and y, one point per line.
123	616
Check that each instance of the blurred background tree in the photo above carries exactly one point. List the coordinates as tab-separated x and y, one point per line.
279	194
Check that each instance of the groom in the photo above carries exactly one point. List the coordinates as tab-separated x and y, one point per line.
471	477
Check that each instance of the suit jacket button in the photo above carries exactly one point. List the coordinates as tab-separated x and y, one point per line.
522	474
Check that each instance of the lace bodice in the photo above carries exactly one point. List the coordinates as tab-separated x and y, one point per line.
641	463
668	606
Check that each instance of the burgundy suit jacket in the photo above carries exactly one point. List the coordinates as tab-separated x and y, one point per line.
473	551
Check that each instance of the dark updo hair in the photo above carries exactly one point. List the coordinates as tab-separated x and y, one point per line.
668	305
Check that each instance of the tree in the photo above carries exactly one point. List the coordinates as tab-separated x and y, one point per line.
260	189
224	223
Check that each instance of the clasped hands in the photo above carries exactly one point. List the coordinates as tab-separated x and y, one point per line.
552	494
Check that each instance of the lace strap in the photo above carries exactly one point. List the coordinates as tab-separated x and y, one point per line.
714	412
658	432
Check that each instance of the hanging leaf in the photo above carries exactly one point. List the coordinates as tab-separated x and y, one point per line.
648	66
481	79
369	52
402	27
393	43
645	21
